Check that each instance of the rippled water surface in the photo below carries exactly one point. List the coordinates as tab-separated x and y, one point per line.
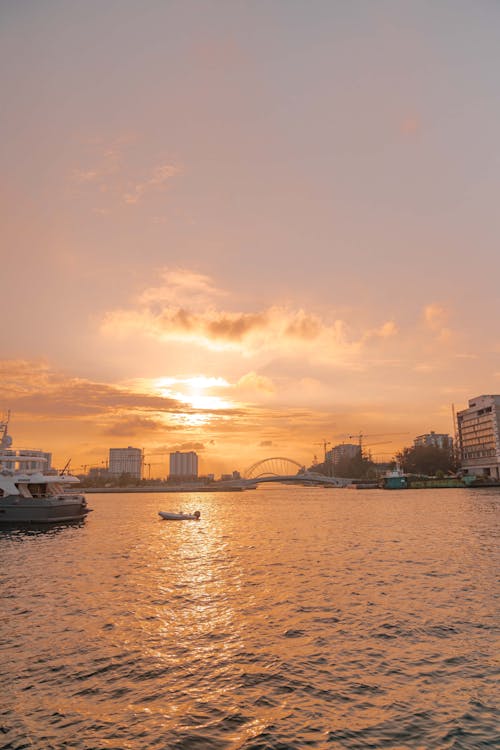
285	618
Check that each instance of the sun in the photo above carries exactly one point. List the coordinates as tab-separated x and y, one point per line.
192	391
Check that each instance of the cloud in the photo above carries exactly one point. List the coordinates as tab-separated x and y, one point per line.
179	285
271	329
34	388
110	173
253	382
85	175
280	355
187	446
157	180
185	308
106	162
436	318
131	426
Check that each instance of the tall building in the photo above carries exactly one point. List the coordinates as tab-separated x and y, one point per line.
344	450
183	465
434	440
479	436
125	461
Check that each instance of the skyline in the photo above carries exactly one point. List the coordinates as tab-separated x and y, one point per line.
244	229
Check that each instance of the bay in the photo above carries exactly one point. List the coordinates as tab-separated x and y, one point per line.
286	617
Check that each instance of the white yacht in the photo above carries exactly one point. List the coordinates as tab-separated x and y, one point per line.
31	493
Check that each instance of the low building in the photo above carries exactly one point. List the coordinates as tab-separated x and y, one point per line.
434	440
125	461
478	430
98	472
183	466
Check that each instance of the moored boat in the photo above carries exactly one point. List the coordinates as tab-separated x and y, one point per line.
31	494
38	498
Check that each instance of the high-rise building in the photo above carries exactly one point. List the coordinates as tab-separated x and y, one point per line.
434	440
125	461
479	436
183	465
342	451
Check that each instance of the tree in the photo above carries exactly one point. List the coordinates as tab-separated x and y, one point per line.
357	467
426	460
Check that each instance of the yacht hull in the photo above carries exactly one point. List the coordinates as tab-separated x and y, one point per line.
16	510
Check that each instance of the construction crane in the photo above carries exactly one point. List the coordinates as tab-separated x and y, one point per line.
361	436
324	444
146	464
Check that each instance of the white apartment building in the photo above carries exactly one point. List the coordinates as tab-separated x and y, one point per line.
183	465
344	450
125	461
479	436
434	440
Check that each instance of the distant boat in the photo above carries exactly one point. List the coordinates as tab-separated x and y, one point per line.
179	516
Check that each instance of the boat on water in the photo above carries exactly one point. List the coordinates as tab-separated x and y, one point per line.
179	516
31	493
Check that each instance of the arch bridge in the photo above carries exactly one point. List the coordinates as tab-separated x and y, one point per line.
286	470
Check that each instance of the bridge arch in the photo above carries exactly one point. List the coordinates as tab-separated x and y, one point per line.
275	466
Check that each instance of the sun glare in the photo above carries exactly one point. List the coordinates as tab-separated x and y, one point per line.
192	391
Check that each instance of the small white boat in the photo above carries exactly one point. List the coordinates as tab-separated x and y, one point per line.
179	516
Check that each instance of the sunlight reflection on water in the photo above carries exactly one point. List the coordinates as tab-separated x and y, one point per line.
284	618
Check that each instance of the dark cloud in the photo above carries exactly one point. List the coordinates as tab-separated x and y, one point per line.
32	388
235	327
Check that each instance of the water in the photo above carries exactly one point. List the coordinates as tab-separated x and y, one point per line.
285	618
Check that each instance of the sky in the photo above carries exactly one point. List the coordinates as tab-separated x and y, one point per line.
246	228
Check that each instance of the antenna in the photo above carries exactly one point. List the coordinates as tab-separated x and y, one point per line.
5	439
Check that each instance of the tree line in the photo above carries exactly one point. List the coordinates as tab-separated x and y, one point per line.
422	460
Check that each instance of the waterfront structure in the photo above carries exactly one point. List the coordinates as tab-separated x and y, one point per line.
434	440
183	466
125	461
478	429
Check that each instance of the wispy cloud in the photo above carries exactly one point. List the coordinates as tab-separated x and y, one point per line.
111	175
156	181
436	318
132	426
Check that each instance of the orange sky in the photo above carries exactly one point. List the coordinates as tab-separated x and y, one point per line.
246	228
